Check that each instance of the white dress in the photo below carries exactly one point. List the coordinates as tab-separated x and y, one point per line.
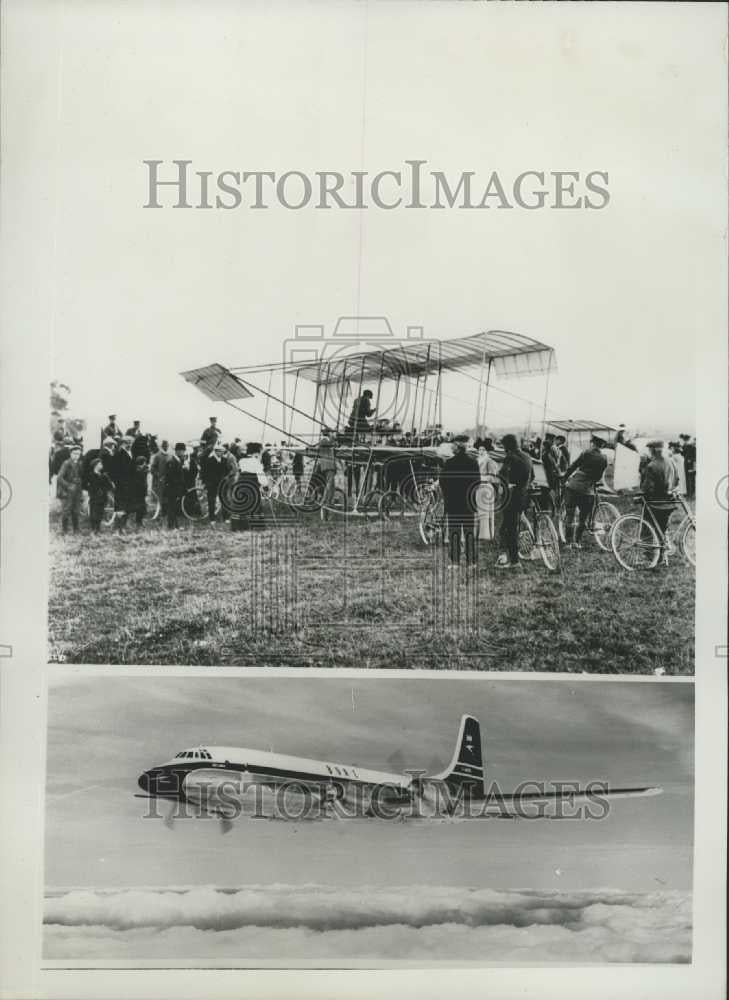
485	513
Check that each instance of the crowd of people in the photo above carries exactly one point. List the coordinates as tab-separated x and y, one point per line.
662	474
125	465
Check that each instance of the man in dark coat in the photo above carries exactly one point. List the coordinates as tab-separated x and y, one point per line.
517	473
362	410
551	464
297	467
689	464
88	461
122	475
560	443
141	446
175	484
460	479
213	470
99	486
107	455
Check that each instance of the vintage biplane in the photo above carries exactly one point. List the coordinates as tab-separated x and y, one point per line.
382	406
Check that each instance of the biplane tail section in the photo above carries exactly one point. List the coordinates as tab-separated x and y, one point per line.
466	770
217	383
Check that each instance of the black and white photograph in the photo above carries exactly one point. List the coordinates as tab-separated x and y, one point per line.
362	392
337	821
388	375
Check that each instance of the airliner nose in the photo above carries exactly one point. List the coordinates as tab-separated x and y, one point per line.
159	781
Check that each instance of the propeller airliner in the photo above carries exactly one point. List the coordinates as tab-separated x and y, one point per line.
217	781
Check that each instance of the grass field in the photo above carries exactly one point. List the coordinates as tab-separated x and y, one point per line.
353	593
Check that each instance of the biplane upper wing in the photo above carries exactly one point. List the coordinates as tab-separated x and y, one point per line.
510	354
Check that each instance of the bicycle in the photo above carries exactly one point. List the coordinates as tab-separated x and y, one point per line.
195	504
599	524
432	520
537	531
638	541
409	497
152	501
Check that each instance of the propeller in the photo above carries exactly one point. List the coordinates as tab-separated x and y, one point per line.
169	817
225	824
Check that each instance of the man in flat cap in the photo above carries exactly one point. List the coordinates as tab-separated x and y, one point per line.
658	480
582	479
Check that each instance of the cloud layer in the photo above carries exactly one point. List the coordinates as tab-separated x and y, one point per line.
422	923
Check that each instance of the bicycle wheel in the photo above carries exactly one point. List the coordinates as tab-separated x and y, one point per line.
635	543
195	504
153	505
603	518
687	540
526	538
562	524
548	541
392	506
369	505
675	527
431	522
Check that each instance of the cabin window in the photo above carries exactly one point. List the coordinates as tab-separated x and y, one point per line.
329	769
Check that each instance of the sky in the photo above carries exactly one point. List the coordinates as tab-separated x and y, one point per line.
104	730
620	293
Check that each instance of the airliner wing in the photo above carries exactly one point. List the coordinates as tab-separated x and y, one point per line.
582	793
522	805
